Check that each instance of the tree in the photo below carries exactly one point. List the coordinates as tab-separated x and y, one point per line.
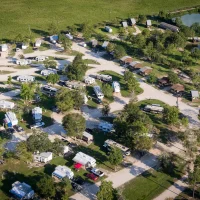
86	29
142	19
152	78
110	48
50	63
67	44
22	152
178	21
115	156
76	71
173	78
78	98
119	52
107	90
171	115
53	29
105	110
27	91
74	124
46	187
106	191
9	80
64	100
52	78
196	53
58	146
38	141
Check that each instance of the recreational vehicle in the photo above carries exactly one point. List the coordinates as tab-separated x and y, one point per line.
26	78
116	86
98	92
154	108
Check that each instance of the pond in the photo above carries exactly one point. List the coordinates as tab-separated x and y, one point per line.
190	19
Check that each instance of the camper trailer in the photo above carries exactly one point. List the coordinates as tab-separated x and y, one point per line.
105	127
98	92
116	86
104	77
84	160
46	89
89	80
154	108
61	172
26	78
6	104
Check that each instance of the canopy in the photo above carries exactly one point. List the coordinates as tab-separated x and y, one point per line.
77	165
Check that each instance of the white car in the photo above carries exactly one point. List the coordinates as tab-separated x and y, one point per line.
37	125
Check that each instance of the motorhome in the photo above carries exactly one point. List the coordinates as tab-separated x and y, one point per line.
61	172
41	58
98	92
104	77
49	90
10	119
89	80
37	114
116	86
26	78
75	84
110	143
23	62
154	108
46	72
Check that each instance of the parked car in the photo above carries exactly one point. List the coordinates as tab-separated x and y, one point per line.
92	177
61	83
55	109
37	125
10	130
78	180
97	172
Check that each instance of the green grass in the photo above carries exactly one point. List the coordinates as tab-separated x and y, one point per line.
44	47
3	72
147	186
90	61
17	16
28	50
22	67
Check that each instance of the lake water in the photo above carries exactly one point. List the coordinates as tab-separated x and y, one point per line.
190	19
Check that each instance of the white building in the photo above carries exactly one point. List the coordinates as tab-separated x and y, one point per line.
6	104
10	119
105	44
4	47
105	127
38	43
98	92
84	160
69	36
125	24
116	86
41	58
25	78
43	157
133	21
46	72
89	80
108	29
22	190
23	62
37	114
24	46
63	172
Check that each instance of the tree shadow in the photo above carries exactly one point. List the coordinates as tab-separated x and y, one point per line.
40	32
49	168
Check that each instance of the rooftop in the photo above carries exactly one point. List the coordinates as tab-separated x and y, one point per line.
195	93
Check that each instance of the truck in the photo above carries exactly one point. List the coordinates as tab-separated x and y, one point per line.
97	172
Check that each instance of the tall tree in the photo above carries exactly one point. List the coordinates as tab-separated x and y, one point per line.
119	52
115	156
107	90
27	91
105	110
52	78
74	124
9	80
53	29
171	115
106	191
22	152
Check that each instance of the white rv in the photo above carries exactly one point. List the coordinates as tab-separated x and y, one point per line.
108	29
98	92
61	172
4	47
38	43
84	160
69	36
6	104
46	89
89	80
26	78
154	108
116	86
37	114
41	58
46	72
110	143
103	77
10	119
23	62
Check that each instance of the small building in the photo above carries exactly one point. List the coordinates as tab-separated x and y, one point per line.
194	95
84	160
37	114
46	72
105	127
24	46
61	172
89	80
105	44
164	82
10	119
75	84
108	29
126	60
4	47
132	21
22	190
169	27
145	71
43	157
26	78
125	24
54	39
87	137
135	65
6	104
116	86
148	23
177	89
38	43
69	36
23	62
94	43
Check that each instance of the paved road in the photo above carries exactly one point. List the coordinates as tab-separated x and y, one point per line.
120	177
174	190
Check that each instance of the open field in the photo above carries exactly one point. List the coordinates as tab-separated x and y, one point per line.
17	16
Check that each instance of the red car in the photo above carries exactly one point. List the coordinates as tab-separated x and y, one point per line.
92	177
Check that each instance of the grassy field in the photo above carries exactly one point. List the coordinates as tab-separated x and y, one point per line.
17	16
147	186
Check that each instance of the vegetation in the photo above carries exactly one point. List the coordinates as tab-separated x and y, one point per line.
27	91
171	115
106	191
50	63
74	124
52	78
115	156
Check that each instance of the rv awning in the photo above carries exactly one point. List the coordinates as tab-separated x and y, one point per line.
77	165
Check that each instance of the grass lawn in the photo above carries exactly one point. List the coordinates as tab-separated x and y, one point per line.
44	47
22	67
18	16
147	186
3	72
28	50
90	61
